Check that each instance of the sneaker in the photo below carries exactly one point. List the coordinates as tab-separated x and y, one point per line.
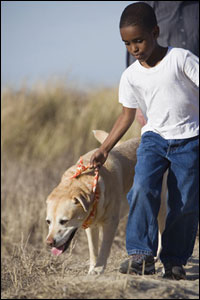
175	272
136	263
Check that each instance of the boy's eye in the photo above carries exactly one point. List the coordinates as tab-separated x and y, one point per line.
138	41
48	222
135	42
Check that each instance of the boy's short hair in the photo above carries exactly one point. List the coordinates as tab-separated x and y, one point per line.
139	13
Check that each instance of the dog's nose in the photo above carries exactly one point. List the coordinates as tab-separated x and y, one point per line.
50	241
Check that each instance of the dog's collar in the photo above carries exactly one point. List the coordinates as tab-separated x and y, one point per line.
95	189
92	214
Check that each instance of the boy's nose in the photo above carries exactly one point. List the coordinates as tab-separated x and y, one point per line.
134	49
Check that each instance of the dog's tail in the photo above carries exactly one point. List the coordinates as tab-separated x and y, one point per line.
101	135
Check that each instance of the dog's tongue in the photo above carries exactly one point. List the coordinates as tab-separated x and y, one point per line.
57	251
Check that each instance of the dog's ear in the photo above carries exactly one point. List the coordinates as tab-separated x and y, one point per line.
101	135
80	200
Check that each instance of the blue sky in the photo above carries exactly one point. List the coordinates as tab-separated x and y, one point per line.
78	40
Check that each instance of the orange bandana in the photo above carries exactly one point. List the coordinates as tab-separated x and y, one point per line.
95	189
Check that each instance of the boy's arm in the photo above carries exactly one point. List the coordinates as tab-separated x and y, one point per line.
120	127
191	68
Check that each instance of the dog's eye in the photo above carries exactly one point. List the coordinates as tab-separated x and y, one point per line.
63	222
48	222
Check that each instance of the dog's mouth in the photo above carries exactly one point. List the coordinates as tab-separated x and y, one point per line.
59	250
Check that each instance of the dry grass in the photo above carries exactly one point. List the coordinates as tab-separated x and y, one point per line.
47	122
44	130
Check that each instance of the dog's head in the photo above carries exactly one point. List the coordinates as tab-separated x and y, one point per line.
67	207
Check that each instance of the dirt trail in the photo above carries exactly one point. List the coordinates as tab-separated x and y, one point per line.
114	285
36	274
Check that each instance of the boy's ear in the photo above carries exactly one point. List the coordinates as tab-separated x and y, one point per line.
156	31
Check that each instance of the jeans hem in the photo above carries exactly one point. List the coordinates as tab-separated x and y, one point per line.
174	261
137	251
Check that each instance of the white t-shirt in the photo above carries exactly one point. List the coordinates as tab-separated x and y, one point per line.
167	94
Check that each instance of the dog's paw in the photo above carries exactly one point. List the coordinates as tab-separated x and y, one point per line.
96	270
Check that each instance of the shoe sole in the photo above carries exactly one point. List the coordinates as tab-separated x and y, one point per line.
148	271
175	277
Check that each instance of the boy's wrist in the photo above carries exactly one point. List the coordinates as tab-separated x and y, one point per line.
104	149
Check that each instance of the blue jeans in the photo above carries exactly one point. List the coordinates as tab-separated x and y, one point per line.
154	156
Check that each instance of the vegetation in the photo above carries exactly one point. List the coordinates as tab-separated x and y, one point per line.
44	131
54	121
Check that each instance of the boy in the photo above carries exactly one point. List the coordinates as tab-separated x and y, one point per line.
179	27
163	83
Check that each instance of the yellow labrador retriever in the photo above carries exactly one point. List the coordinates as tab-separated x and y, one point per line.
71	203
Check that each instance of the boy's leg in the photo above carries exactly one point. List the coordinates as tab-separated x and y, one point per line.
144	197
182	220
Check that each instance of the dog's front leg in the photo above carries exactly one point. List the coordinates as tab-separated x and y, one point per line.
93	243
109	231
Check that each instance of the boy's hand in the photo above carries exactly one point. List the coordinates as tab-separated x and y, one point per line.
122	124
98	159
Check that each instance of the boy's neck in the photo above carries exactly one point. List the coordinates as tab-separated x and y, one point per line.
156	57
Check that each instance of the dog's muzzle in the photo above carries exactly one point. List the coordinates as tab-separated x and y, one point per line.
59	250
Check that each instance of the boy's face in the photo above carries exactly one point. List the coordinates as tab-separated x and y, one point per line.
139	42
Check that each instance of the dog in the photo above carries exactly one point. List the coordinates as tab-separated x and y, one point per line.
71	202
